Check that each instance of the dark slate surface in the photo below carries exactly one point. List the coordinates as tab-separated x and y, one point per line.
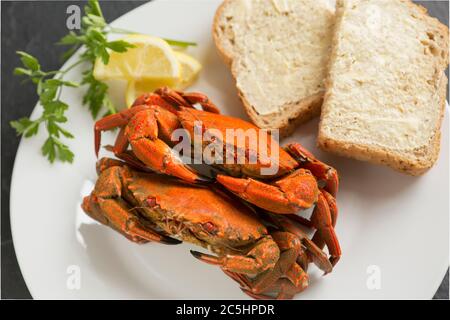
34	27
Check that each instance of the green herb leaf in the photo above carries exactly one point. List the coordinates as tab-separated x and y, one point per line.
55	108
64	153
93	7
181	44
96	93
70	38
22	72
32	129
29	61
48	149
54	148
65	133
94	20
23	125
47	91
119	45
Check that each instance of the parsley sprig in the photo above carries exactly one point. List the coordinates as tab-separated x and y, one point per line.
49	90
93	38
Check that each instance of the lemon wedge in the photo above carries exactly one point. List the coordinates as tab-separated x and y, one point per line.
152	59
190	68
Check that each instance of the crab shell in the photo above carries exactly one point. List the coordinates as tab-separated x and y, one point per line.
195	214
201	213
211	121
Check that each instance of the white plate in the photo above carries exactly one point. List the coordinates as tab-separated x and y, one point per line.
397	223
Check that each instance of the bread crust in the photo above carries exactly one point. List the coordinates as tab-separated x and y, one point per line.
414	167
305	109
227	58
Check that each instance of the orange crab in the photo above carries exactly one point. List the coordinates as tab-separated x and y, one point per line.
148	128
141	206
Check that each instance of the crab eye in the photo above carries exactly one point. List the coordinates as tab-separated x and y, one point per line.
209	227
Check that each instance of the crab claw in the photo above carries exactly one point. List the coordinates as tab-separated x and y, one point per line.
106	205
251	263
295	192
114	121
210	259
117	215
319	169
170	241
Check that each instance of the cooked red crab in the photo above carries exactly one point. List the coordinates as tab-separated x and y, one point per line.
148	126
141	206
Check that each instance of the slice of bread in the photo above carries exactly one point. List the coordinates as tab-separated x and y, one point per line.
386	88
278	53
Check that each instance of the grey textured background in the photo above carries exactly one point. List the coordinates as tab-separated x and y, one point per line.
34	27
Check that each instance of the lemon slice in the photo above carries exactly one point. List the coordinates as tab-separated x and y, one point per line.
151	59
190	68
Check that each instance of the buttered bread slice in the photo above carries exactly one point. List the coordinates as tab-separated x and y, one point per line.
386	89
278	52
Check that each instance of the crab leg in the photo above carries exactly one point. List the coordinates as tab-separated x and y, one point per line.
285	288
289	246
152	99
187	100
317	239
121	143
261	257
315	254
239	278
295	192
173	97
105	163
286	266
303	259
195	97
318	169
324	219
